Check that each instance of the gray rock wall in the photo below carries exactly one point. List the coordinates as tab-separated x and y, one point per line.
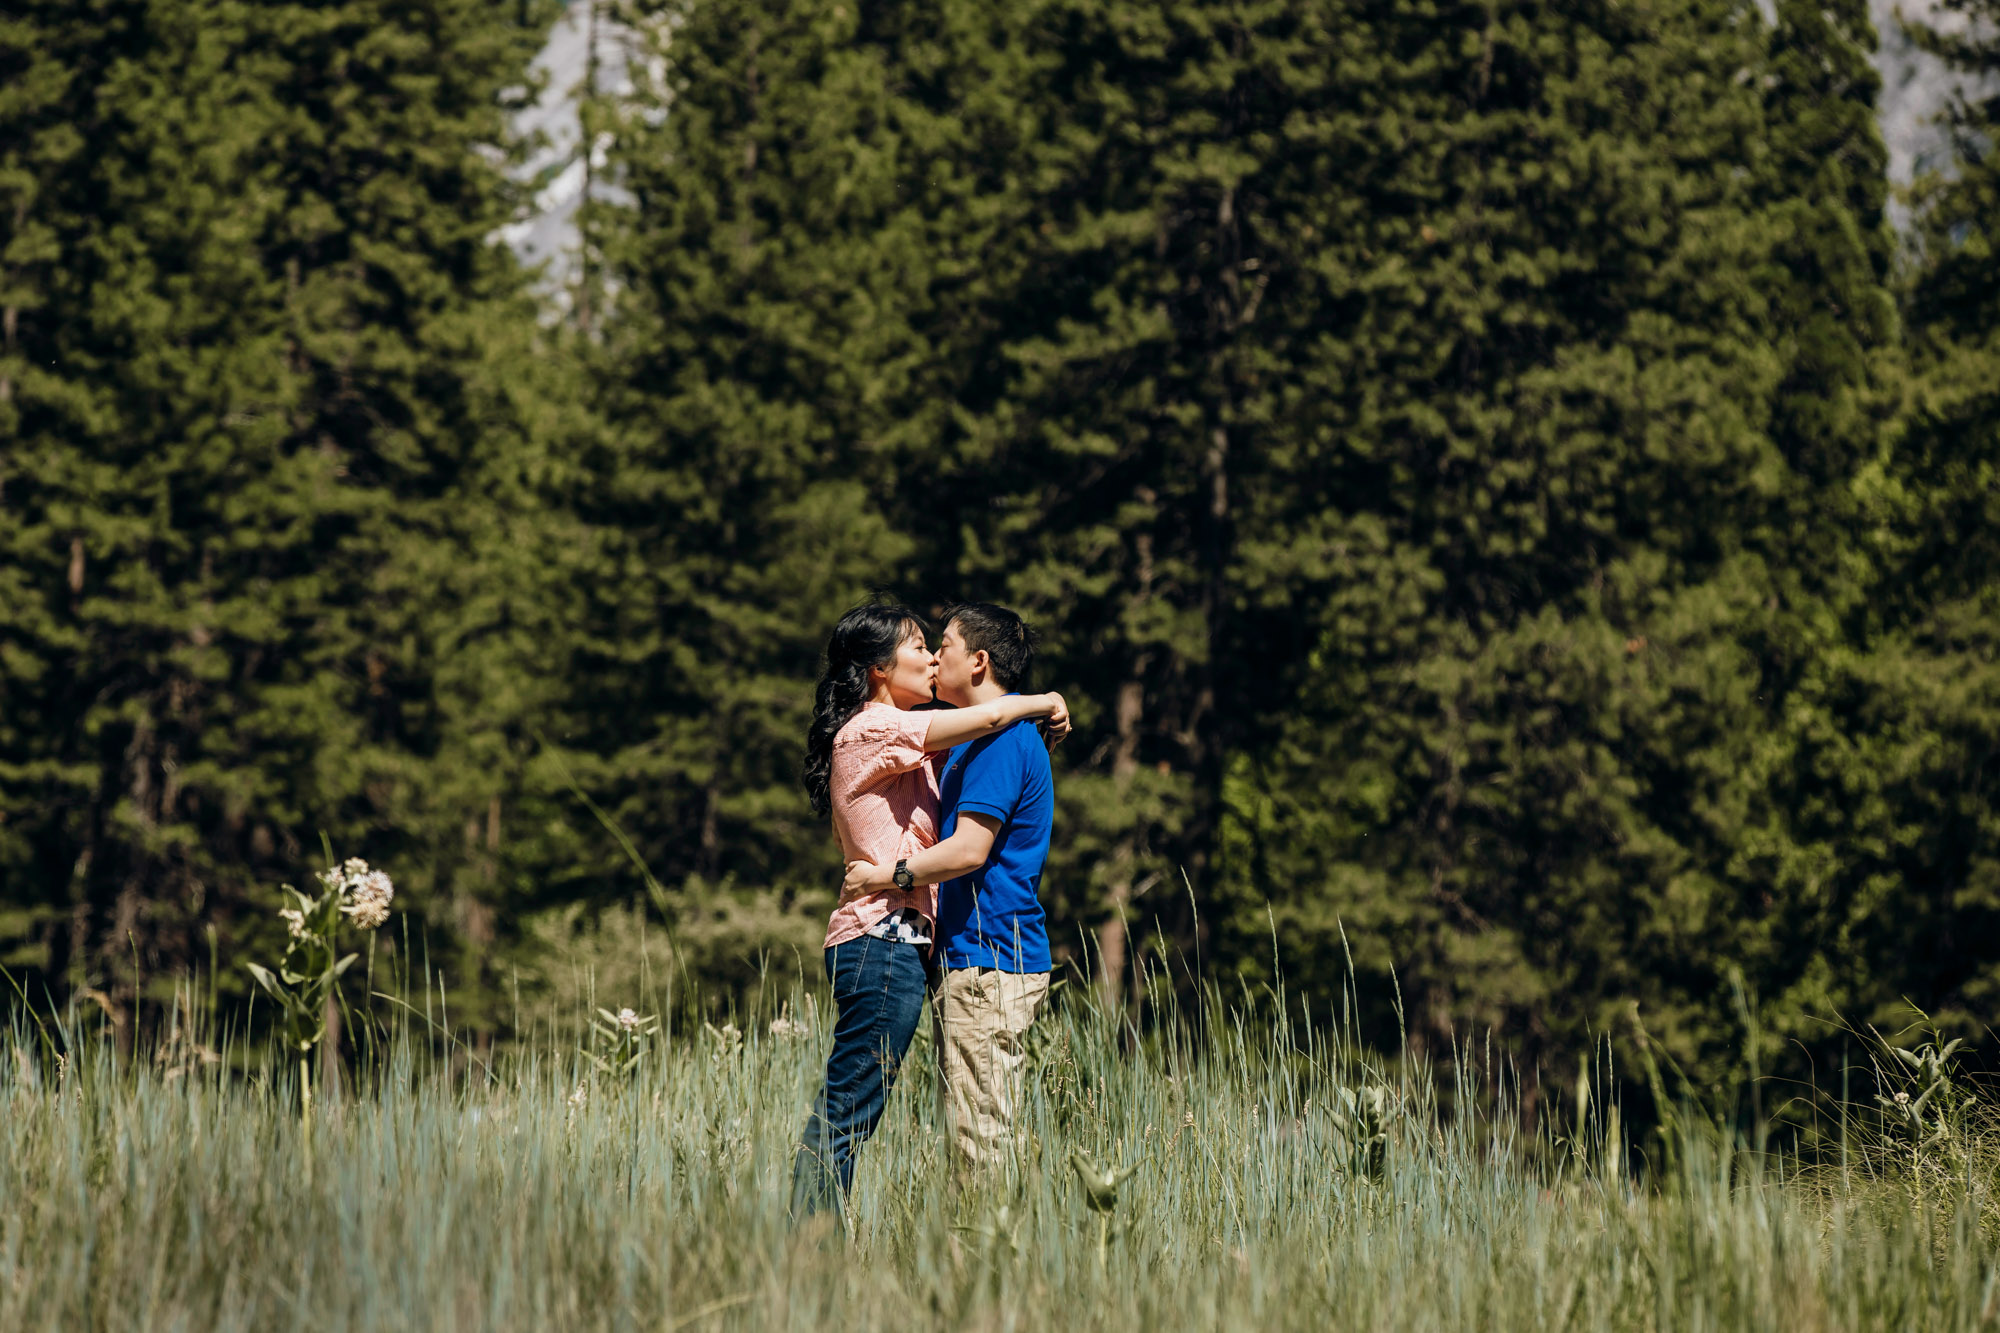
1915	88
585	51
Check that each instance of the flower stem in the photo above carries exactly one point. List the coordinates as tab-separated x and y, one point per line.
305	1109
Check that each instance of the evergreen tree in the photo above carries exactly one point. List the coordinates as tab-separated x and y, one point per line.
1417	435
1922	709
1461	460
1553	479
42	58
760	374
1830	321
277	420
1118	406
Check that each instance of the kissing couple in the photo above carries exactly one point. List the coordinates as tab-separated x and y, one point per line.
943	817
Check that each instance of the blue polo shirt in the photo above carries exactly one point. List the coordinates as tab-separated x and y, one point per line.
993	917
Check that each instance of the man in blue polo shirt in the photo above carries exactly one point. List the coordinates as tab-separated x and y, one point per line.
998	808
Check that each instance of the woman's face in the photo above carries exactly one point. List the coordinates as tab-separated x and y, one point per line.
912	673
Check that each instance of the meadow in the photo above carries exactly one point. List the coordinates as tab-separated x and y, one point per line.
1283	1178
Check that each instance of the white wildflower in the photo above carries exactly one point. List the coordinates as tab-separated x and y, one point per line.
294	919
344	877
628	1019
1902	1099
368	897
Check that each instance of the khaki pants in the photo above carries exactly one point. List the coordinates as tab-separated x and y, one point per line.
980	1018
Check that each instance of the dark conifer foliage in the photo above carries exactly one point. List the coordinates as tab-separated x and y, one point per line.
1122	403
274	423
756	377
1922	721
1477	484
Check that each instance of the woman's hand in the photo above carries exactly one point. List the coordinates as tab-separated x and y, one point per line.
1057	725
864	878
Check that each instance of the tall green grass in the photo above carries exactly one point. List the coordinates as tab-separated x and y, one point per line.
174	1192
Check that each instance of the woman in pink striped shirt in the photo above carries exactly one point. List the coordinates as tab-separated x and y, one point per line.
873	754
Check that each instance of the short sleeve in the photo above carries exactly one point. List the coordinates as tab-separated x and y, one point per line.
995	775
880	743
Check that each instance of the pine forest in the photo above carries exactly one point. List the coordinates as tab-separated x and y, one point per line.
1507	490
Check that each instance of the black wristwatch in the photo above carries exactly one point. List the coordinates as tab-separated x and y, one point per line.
904	879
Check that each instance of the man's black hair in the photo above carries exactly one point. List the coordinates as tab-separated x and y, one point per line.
1005	638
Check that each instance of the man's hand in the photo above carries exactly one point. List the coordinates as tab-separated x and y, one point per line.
863	879
1057	725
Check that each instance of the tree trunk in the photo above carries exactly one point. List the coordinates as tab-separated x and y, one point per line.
9	322
1113	938
329	1051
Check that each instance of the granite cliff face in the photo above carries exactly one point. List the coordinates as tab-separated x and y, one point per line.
587	50
1915	88
586	53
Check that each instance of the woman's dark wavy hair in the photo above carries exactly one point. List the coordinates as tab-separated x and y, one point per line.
867	636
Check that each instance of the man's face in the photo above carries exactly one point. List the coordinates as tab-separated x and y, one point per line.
954	668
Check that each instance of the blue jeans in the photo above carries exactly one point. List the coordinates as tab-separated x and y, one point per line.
878	995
